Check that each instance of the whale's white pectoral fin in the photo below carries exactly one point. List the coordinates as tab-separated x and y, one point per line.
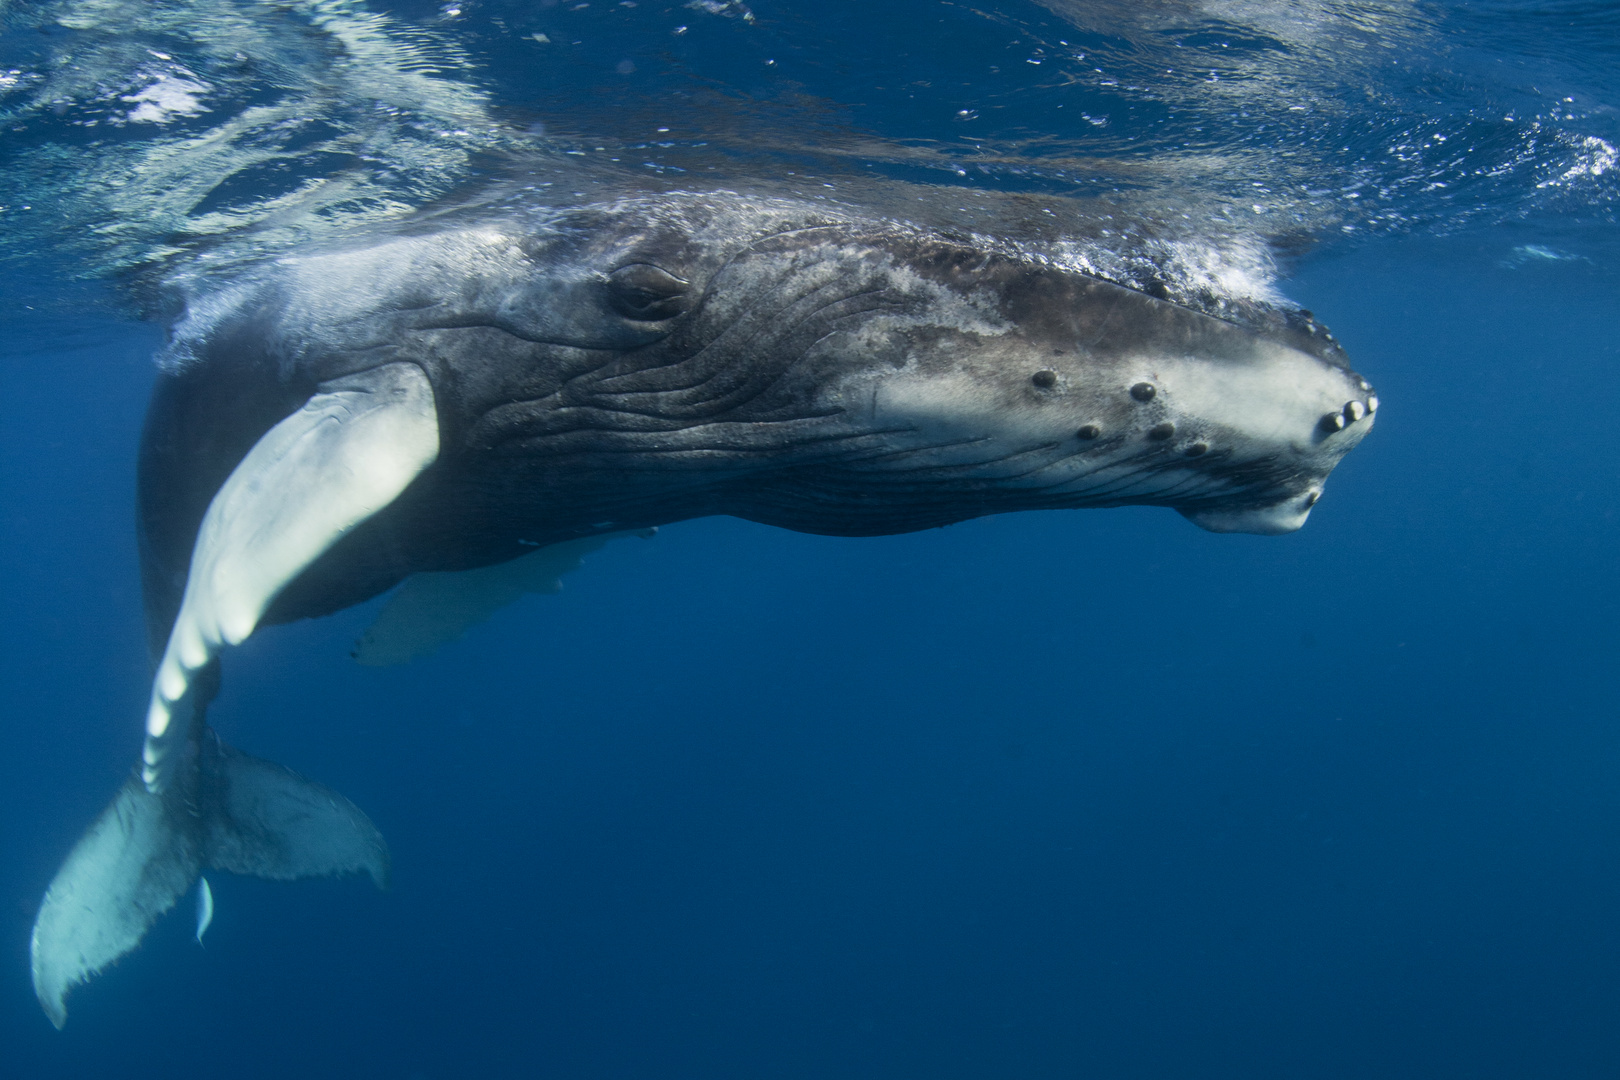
437	607
349	452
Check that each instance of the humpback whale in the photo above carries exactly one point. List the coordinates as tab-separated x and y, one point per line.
451	397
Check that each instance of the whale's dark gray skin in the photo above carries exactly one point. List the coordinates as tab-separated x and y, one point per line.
453	398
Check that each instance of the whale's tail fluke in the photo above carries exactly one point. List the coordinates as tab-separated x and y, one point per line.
231	812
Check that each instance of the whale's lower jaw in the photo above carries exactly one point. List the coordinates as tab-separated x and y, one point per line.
1281	517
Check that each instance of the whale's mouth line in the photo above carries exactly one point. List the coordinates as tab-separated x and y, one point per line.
504	327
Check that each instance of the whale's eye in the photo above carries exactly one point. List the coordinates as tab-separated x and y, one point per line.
644	292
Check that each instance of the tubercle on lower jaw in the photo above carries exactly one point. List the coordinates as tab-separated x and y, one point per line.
1352	412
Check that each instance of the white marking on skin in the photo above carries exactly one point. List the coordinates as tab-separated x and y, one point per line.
1275	397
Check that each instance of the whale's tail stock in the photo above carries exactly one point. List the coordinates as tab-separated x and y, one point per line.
225	810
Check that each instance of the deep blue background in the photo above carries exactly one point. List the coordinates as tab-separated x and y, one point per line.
1089	793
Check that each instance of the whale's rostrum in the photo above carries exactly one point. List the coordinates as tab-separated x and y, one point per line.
456	395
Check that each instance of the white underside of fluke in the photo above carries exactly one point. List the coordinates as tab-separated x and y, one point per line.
108	892
240	814
349	452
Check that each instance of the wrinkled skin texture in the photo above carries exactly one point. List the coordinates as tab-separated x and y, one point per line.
625	366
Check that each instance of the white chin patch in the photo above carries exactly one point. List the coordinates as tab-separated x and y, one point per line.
1281	517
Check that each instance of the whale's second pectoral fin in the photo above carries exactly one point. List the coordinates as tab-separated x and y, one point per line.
437	607
349	452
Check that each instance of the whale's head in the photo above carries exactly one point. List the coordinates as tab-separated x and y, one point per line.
902	378
1058	388
672	356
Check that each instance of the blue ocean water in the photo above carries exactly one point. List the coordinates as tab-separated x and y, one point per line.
1050	794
